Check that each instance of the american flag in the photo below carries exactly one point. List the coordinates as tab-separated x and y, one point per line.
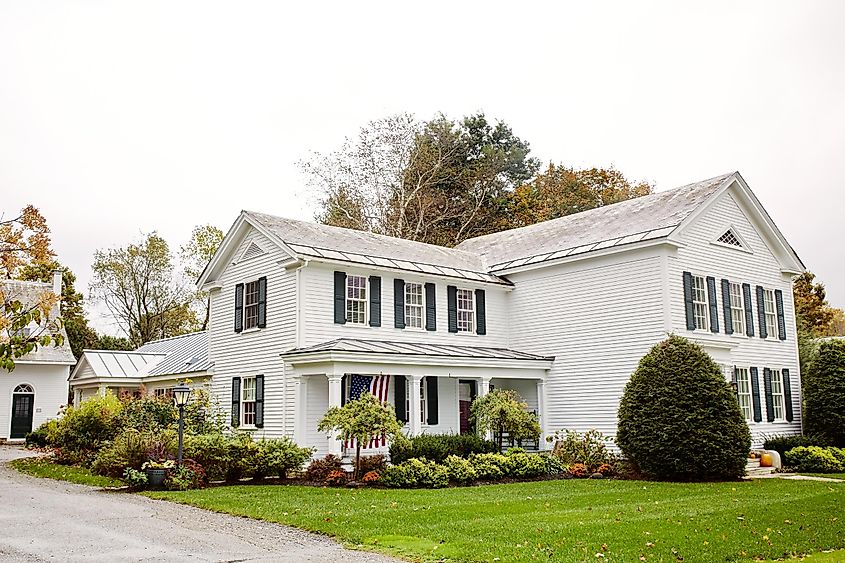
377	385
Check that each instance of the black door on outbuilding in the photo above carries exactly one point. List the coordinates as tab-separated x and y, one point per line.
23	402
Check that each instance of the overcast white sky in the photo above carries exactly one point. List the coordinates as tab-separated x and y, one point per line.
119	118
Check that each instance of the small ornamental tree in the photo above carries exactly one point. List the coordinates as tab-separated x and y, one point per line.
361	419
503	410
679	419
824	393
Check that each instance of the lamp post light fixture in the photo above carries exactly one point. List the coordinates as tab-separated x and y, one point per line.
181	393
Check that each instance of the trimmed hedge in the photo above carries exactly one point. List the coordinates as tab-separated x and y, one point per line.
782	444
437	447
824	393
679	420
814	459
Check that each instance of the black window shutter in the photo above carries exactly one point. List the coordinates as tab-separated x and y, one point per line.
236	402
714	306
787	395
430	307
688	305
259	401
749	314
726	307
343	390
399	393
781	318
761	313
452	306
431	399
767	387
340	298
239	307
375	301
262	302
480	312
399	303
755	395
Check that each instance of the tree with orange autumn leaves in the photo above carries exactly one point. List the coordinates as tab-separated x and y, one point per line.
27	320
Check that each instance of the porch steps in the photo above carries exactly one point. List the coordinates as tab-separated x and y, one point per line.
754	471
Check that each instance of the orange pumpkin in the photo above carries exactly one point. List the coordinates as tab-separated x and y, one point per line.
766	460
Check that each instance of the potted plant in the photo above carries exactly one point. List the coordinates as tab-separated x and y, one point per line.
157	471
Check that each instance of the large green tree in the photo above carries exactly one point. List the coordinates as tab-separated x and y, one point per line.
141	288
195	255
824	392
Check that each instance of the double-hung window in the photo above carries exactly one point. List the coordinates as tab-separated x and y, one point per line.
248	401
701	307
770	314
737	309
414	305
250	305
164	392
778	406
743	392
356	300
466	310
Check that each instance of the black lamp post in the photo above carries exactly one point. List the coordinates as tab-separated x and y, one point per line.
181	393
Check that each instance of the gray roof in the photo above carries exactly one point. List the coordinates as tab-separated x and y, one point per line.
416	349
185	354
349	245
645	218
170	356
28	292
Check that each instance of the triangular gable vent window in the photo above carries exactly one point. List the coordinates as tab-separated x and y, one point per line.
251	251
730	238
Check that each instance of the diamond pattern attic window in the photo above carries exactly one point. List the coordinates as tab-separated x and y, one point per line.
251	251
730	238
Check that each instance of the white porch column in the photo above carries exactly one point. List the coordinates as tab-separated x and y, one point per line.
484	388
414	414
334	401
541	412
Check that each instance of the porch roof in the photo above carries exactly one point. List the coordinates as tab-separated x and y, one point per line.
430	349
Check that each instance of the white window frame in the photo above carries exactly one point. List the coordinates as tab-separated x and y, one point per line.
415	311
778	397
247	402
770	313
250	312
697	303
163	392
466	316
737	308
744	392
423	404
354	317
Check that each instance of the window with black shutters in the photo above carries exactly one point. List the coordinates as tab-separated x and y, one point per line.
251	305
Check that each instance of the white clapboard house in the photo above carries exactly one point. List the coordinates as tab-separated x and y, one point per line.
303	314
37	389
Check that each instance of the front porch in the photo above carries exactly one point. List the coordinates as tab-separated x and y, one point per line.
430	386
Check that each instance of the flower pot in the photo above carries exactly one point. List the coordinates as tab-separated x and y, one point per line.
155	477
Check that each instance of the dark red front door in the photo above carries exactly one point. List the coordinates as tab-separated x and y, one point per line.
466	395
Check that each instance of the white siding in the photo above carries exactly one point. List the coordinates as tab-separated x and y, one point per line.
256	352
51	392
598	318
318	308
700	256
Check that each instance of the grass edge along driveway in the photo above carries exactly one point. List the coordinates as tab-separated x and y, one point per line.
573	520
45	467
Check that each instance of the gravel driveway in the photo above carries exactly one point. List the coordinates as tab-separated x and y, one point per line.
47	520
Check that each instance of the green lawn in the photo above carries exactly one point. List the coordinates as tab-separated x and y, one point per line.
572	520
829	475
44	467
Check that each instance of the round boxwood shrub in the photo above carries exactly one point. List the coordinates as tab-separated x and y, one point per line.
824	393
679	420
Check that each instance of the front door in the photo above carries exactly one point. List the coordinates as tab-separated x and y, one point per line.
466	395
22	404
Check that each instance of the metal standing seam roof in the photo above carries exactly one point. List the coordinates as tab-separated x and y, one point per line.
170	356
361	247
416	349
644	218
